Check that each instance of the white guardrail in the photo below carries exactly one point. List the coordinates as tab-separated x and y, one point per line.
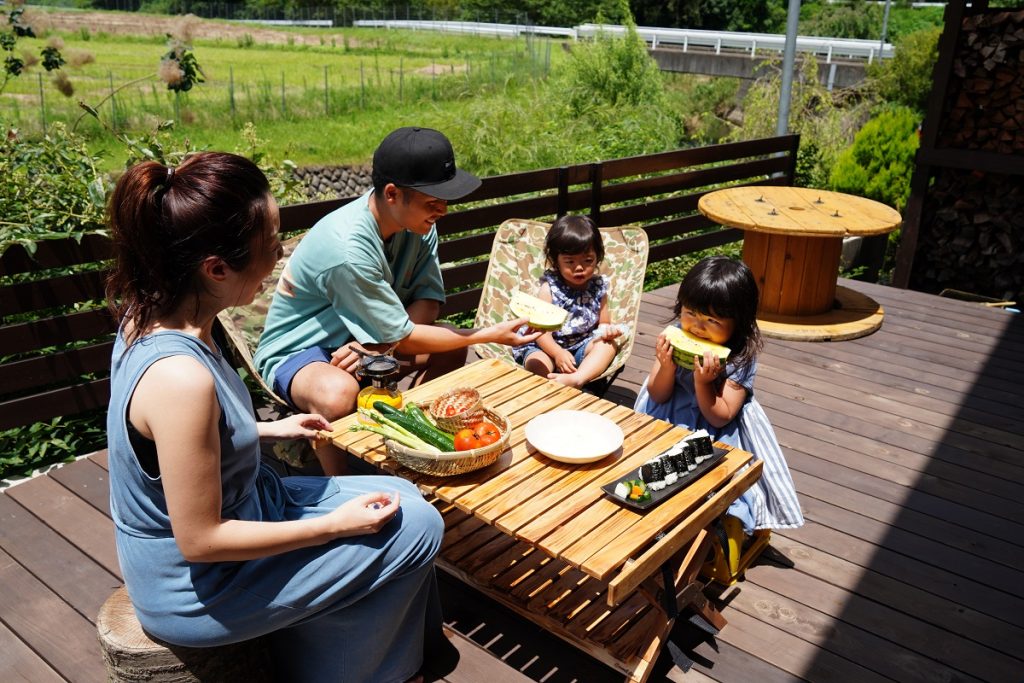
830	48
685	38
472	27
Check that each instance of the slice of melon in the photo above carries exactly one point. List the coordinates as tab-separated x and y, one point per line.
686	346
542	315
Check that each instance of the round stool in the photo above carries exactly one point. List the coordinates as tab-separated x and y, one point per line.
131	655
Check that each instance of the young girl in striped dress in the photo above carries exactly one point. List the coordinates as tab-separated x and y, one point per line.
717	301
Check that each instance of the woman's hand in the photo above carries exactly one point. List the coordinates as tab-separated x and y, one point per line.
706	369
301	426
365	514
507	333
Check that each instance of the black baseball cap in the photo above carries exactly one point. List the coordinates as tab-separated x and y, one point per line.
423	159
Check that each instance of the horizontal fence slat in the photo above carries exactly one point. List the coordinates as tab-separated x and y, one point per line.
757	170
66	401
296	217
55	331
678	227
465	274
461	302
695	156
492	216
59	291
496	187
689	245
56	254
54	368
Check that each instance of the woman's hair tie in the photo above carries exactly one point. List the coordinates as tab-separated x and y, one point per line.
170	174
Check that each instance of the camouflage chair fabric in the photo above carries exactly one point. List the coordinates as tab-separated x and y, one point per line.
242	327
517	262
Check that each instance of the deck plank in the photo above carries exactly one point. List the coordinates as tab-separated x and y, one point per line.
59	635
18	663
905	447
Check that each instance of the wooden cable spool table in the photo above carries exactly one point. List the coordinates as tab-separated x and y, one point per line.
793	242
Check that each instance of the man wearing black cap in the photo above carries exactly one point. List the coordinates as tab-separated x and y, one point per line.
366	277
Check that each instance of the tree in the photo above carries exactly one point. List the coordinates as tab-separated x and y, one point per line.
20	28
906	79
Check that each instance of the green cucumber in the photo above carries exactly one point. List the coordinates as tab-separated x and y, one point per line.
431	435
418	414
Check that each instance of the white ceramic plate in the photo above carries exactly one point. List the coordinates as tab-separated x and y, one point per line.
574	436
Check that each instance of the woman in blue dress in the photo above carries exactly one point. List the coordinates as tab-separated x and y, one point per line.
717	302
214	547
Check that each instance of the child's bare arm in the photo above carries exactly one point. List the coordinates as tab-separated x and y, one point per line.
661	381
604	316
718	408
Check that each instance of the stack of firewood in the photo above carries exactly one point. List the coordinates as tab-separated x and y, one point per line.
985	100
972	222
975	225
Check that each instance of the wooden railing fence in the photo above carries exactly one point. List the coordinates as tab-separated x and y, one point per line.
56	337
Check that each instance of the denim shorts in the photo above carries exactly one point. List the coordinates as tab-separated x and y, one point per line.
292	364
523	352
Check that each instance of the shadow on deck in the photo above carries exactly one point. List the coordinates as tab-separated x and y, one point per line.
906	448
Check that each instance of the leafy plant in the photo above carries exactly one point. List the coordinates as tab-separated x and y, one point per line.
25	449
51	188
20	28
823	119
612	71
906	79
881	160
179	67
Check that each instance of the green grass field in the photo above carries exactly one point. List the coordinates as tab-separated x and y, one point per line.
326	103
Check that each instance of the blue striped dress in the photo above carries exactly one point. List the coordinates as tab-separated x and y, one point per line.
771	503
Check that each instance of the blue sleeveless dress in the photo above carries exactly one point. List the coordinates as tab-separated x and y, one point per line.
771	502
353	609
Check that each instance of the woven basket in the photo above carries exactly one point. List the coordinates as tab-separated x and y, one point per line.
468	409
457	462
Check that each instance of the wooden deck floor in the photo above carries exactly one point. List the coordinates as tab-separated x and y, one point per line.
907	449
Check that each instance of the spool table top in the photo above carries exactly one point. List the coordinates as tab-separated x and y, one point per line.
798	211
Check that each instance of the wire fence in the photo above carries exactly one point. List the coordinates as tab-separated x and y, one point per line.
302	15
310	92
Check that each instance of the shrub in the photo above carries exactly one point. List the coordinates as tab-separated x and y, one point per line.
51	188
879	163
906	79
612	71
826	126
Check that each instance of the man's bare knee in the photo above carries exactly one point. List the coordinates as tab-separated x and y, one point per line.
324	389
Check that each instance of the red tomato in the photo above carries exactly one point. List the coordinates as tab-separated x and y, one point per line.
449	411
486	433
466	440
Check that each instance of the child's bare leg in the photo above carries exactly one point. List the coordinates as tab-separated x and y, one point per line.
598	357
539	363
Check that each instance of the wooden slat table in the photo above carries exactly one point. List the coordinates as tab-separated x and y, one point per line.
793	239
542	538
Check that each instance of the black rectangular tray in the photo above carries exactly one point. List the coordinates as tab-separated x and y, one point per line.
670	490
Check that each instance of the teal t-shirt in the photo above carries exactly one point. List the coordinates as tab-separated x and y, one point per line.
344	282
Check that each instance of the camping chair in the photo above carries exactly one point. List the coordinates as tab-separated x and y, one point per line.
517	262
241	327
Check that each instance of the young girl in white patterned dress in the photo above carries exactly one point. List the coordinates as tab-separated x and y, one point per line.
717	301
578	352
